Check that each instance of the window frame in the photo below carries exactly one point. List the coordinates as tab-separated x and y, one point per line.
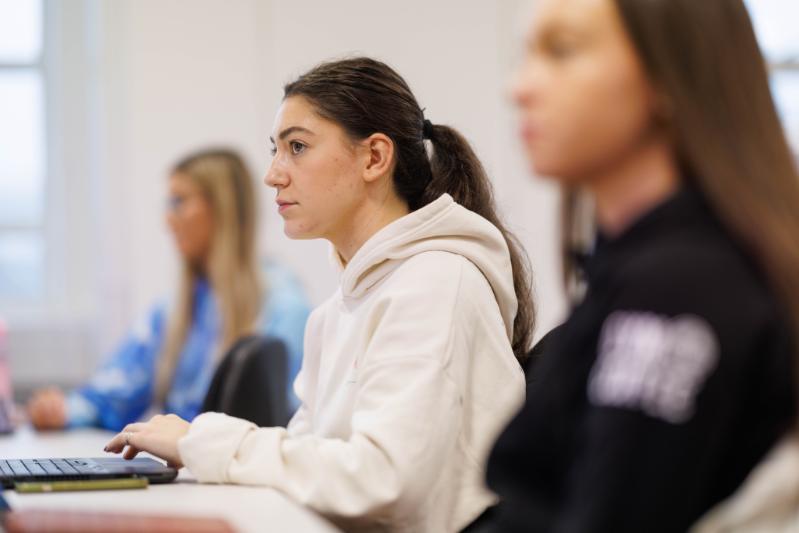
40	66
68	65
790	123
783	62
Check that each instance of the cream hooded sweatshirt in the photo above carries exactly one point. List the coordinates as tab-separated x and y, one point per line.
407	379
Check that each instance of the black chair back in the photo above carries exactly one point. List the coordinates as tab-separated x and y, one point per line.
251	382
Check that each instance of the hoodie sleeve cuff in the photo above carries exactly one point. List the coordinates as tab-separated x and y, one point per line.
211	444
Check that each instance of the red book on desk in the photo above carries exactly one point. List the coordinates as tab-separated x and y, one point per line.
51	521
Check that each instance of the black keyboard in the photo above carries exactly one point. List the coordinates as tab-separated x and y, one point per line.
49	468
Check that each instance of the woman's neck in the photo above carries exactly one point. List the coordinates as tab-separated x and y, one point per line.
199	268
372	216
635	186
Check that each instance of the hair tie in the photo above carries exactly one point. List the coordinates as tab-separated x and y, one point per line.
427	129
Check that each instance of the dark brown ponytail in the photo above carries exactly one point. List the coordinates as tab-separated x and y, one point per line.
456	170
365	96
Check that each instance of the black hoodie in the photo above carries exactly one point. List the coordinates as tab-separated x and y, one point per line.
667	384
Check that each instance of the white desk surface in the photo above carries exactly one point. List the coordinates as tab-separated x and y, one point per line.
244	508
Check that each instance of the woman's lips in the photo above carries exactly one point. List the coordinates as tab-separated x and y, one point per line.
529	133
282	205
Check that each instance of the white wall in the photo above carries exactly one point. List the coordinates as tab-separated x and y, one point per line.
174	75
456	56
177	75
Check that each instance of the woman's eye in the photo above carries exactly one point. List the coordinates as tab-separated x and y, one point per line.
273	151
296	147
562	47
175	202
561	50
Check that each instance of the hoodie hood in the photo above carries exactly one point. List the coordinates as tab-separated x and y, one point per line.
441	226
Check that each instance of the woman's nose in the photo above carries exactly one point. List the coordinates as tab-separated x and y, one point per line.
526	83
275	175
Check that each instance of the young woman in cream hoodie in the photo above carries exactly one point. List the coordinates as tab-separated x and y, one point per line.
410	368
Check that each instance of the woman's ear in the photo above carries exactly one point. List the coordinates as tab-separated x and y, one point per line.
380	151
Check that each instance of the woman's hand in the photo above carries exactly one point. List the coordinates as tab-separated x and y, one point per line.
48	409
159	437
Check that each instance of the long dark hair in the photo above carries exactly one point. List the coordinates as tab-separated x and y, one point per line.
703	58
365	96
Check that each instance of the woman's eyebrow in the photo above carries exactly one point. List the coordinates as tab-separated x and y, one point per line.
291	129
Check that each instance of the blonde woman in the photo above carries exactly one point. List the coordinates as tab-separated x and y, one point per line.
168	360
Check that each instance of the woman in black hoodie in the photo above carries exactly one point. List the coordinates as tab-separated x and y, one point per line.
674	374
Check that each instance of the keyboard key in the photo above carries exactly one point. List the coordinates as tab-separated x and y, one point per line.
34	468
65	467
50	468
81	466
18	468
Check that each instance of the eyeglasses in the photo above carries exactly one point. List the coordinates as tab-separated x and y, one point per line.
177	202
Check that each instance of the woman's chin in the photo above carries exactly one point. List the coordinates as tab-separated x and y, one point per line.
540	169
295	232
551	171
